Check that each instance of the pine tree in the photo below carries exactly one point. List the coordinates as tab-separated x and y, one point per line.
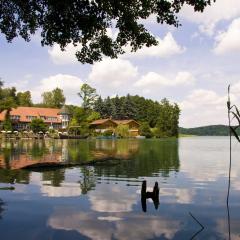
99	106
128	108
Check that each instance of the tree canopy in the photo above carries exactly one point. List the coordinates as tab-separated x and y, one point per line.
38	125
88	96
85	22
24	99
55	98
7	98
162	117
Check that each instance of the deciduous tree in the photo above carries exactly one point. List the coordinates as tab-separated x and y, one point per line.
55	98
24	99
86	23
88	96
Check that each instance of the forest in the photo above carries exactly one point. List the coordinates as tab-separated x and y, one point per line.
212	130
157	119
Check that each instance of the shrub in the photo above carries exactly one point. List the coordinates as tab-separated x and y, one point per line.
122	131
108	133
145	130
38	125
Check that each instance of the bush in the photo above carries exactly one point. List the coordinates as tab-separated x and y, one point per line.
108	133
7	125
38	125
122	131
82	130
145	130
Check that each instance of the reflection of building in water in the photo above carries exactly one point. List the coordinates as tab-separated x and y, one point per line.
22	154
115	149
64	151
2	162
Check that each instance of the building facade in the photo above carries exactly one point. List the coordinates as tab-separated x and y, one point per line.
21	117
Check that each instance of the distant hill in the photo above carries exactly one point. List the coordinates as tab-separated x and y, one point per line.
213	130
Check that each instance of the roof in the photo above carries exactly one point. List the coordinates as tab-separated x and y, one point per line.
125	121
64	110
23	112
101	121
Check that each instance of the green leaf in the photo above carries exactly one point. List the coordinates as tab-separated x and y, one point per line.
237	117
237	110
234	133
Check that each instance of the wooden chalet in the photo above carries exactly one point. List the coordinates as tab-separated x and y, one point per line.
103	125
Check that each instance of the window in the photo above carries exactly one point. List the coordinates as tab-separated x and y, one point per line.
15	117
31	117
51	118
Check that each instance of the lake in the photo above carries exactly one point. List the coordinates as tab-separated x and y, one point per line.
102	200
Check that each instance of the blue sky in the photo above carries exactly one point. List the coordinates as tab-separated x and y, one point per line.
192	65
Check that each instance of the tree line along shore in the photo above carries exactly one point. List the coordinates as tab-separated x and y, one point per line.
156	118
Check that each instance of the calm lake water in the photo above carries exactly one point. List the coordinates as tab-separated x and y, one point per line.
102	200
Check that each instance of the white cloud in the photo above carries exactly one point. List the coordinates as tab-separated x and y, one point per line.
112	199
181	195
69	83
166	47
68	56
137	226
65	190
212	15
204	107
112	74
152	79
64	57
229	41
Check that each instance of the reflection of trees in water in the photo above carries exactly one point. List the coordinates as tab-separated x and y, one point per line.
121	149
146	157
152	157
1	208
55	177
78	151
84	151
14	176
88	180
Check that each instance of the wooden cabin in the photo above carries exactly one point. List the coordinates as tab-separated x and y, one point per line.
103	125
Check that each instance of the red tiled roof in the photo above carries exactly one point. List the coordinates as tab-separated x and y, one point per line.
23	112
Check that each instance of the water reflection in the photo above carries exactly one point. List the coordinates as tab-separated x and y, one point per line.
1	208
109	157
137	226
103	200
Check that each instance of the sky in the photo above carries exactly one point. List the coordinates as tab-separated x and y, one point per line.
192	66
